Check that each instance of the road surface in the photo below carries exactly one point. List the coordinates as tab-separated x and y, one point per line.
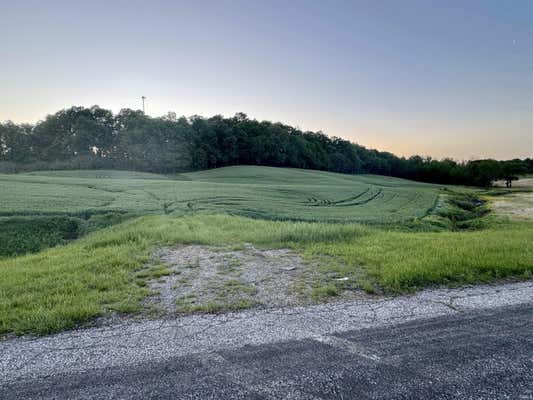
473	343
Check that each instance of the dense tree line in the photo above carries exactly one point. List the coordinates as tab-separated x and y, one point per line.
93	137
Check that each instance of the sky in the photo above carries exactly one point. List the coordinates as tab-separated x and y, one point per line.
435	78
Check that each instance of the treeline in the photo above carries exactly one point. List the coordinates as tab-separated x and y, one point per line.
94	138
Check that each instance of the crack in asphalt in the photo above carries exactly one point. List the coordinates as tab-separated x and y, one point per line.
450	303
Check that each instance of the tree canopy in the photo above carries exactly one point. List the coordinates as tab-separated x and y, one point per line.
79	137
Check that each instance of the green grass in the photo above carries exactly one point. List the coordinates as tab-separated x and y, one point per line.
58	288
214	307
321	292
62	287
98	174
395	235
30	234
257	192
20	235
227	295
404	261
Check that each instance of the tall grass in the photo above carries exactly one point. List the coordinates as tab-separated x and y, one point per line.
62	287
20	235
30	234
404	261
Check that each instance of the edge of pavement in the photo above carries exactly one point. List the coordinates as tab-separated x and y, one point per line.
131	343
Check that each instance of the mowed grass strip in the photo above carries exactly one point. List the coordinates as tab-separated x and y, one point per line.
106	271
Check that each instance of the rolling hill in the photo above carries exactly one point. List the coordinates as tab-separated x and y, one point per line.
251	191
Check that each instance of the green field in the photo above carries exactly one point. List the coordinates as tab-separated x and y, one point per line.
258	192
384	234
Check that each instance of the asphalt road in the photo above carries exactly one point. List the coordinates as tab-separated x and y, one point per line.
470	353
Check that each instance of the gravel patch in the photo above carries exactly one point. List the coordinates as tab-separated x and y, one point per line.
211	279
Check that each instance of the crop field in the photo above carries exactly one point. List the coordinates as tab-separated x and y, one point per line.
258	192
77	245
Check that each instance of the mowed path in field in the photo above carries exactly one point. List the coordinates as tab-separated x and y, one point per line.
259	192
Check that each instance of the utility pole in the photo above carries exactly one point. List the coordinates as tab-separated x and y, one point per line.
143	98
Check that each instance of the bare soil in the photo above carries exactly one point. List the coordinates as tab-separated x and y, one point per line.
213	279
518	206
521	183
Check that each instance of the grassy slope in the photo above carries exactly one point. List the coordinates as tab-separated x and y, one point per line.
61	287
98	174
259	192
67	285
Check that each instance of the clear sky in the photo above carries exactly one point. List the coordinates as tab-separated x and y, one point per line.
439	78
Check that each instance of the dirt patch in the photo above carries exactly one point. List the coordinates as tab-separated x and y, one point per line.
211	279
517	206
521	183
